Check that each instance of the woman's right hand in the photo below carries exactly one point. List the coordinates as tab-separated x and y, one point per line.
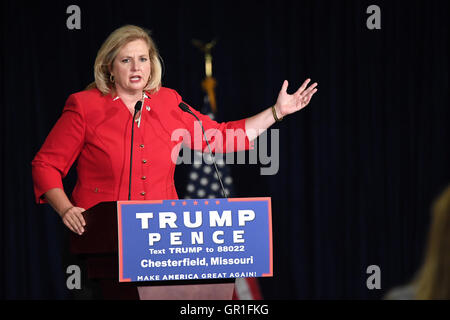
74	220
70	214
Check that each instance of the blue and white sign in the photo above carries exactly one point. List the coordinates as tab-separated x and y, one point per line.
194	239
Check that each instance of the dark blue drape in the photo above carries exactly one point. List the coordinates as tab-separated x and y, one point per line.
358	168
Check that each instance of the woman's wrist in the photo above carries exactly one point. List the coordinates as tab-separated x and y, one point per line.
276	113
59	201
63	213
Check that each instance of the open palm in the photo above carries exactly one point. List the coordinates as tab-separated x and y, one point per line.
290	103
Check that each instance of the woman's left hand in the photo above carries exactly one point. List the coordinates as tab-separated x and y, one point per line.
290	103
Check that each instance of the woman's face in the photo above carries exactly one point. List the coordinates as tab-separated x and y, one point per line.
131	68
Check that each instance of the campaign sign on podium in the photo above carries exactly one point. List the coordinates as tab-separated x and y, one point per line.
194	239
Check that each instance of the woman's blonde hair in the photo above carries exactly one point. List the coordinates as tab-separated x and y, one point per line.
433	281
109	50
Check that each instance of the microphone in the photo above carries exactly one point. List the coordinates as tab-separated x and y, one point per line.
137	108
183	106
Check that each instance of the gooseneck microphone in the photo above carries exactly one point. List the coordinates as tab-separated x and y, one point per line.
183	106
137	108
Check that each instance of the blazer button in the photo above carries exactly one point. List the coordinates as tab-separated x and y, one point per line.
144	161
143	177
141	146
143	193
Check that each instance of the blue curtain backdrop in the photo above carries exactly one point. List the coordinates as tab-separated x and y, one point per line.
359	166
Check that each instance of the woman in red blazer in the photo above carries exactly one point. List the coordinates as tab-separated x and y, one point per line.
95	130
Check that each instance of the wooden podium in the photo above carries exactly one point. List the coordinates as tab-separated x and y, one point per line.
100	238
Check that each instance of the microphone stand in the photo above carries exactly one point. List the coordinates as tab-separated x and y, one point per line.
137	108
185	108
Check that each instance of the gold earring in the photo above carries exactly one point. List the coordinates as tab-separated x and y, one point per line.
111	78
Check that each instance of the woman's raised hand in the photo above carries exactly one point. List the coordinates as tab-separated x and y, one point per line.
290	103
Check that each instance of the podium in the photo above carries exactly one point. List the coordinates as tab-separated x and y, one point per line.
144	243
100	239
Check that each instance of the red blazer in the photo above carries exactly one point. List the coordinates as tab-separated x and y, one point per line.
95	130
